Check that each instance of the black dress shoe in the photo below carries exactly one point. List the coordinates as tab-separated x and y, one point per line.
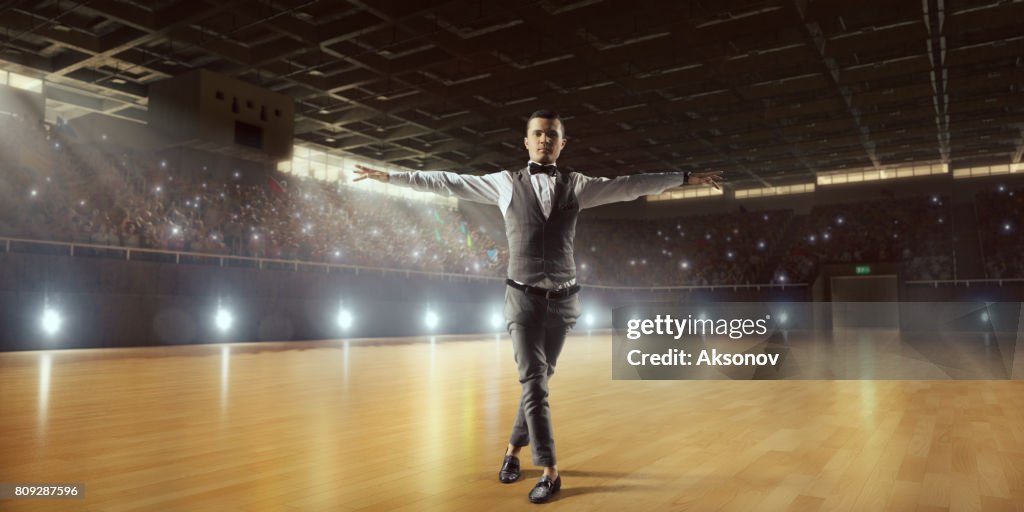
509	471
545	489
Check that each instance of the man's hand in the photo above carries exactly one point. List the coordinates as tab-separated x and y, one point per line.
366	172
713	178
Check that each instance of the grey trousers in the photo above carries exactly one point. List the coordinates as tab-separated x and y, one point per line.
538	327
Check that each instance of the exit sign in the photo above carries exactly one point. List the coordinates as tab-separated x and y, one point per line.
863	270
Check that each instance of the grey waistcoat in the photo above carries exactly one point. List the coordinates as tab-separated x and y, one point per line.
540	247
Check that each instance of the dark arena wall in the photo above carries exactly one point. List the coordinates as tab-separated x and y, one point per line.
109	302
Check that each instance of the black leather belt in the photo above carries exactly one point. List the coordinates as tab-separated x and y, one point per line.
544	292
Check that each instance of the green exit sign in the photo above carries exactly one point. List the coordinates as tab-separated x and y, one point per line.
863	270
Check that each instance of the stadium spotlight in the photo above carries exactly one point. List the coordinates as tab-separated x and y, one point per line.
588	320
430	319
345	319
984	316
783	318
223	319
50	321
497	319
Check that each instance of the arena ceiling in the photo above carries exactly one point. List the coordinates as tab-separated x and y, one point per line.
770	91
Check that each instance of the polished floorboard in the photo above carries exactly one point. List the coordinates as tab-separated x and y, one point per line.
421	424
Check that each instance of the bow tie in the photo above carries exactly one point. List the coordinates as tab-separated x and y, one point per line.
548	169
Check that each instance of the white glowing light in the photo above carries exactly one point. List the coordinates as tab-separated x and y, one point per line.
51	321
431	320
223	319
345	319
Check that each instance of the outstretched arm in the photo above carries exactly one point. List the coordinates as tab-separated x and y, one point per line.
593	192
479	189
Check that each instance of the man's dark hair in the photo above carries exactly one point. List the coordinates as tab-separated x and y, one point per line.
546	114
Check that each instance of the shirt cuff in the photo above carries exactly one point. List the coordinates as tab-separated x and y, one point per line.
398	178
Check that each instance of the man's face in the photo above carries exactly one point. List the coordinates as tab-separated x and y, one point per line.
544	140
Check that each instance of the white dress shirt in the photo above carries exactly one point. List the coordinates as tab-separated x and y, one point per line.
496	189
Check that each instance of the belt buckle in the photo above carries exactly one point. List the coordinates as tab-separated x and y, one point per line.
547	294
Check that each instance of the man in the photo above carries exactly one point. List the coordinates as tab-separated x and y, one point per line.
540	205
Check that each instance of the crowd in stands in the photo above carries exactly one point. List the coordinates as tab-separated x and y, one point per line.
1000	219
697	250
915	231
107	195
59	187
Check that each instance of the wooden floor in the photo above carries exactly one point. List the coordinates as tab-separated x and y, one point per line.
422	426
